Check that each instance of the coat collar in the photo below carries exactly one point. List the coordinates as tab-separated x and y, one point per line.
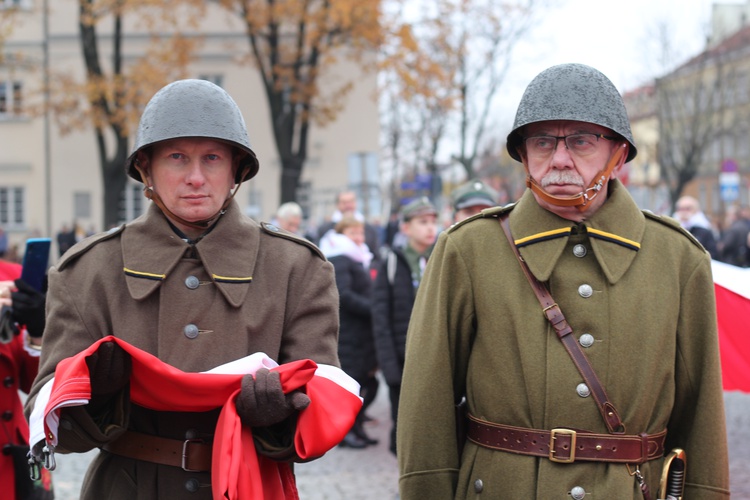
615	233
151	250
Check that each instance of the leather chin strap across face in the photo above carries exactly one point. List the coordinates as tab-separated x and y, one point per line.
582	199
148	191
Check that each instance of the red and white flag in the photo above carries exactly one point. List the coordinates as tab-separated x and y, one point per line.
237	472
732	285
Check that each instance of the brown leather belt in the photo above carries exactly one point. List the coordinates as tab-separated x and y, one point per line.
192	455
567	445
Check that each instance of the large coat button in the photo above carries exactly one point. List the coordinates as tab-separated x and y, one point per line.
191	331
8	381
193	484
478	486
585	291
7	415
192	282
579	251
583	390
586	340
577	493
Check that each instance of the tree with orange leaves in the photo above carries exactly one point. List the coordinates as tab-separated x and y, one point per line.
293	43
112	94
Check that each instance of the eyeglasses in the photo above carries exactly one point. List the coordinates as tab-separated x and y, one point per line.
542	146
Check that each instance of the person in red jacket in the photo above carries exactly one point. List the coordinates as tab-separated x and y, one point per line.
20	348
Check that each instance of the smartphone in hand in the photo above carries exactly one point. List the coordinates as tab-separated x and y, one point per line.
35	262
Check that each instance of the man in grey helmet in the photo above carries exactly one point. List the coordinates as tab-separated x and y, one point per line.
196	284
626	294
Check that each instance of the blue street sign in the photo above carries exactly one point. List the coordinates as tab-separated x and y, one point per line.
729	186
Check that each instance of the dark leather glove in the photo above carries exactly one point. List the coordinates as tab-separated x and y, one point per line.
261	401
28	307
109	370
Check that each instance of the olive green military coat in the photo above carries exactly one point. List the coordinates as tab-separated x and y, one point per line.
477	328
243	288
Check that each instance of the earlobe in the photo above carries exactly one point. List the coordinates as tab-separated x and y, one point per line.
623	151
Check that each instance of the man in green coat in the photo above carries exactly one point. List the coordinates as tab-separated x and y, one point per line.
636	291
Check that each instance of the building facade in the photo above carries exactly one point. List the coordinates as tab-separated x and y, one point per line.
50	180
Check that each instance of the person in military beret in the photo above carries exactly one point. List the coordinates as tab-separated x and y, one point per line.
197	284
626	293
471	198
395	287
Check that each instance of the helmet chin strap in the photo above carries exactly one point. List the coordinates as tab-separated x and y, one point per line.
582	199
148	191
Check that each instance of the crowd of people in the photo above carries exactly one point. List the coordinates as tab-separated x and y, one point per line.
727	241
481	385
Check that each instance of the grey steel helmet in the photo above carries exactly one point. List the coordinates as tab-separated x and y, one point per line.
193	108
571	92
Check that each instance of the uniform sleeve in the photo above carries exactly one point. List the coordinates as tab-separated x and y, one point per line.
697	424
311	324
382	328
311	329
438	342
66	334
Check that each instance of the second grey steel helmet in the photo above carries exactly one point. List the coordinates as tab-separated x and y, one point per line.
571	92
193	108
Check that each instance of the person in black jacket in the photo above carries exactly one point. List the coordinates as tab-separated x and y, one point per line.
344	246
393	297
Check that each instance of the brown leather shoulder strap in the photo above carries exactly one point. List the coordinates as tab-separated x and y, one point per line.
554	315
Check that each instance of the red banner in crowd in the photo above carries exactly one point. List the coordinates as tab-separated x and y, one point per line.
732	285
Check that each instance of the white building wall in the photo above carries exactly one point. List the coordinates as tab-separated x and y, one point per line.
74	163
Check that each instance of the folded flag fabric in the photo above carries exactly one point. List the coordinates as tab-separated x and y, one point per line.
732	286
237	471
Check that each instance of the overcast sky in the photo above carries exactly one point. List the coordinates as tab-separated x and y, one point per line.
616	37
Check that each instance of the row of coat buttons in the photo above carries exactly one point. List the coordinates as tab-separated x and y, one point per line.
576	493
586	340
584	290
191	331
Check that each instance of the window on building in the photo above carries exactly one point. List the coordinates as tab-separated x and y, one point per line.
215	78
254	208
12	207
10	97
10	4
132	202
82	205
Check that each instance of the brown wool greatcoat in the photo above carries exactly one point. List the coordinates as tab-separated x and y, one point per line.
259	290
478	328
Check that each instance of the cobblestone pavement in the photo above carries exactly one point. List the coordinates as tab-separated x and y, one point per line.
371	473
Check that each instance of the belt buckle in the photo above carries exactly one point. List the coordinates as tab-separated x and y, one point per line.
185	453
553	437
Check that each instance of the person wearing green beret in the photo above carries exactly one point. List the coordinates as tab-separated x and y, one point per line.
471	198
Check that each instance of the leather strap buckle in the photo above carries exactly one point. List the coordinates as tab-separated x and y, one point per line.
184	463
554	433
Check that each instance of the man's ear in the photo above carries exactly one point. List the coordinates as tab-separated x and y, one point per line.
521	150
624	148
143	162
